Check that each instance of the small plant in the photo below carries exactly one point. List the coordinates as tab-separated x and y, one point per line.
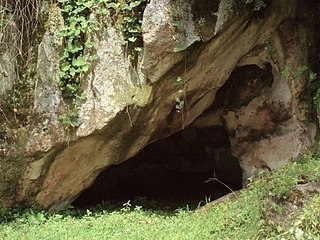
126	206
295	75
127	16
312	77
71	117
180	103
285	73
270	50
300	72
257	4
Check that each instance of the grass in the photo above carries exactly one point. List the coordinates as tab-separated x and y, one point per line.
264	210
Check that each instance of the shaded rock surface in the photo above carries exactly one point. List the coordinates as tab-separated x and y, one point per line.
230	79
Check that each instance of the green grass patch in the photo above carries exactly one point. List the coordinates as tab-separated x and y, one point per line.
249	214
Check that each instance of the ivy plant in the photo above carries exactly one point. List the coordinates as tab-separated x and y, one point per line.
73	64
127	16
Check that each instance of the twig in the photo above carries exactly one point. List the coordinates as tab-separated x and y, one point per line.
130	120
7	120
216	179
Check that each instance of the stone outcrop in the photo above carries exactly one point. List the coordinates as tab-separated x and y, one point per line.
231	66
8	53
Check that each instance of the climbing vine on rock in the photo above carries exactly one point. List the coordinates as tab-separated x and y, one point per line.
73	63
75	59
127	17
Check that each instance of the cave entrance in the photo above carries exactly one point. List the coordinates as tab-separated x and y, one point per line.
173	172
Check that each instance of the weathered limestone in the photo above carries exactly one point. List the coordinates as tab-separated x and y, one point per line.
8	53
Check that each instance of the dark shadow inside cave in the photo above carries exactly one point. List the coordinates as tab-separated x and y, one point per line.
244	84
183	169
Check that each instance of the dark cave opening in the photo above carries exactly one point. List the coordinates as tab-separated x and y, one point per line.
181	170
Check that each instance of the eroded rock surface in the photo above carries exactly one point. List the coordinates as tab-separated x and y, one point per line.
262	111
8	53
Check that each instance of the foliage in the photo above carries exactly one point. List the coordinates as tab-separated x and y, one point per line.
25	14
313	93
297	74
18	20
257	4
73	63
76	59
249	214
179	82
20	100
127	16
71	117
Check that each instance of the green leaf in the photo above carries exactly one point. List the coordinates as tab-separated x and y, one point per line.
284	73
88	4
299	72
134	30
312	76
64	55
88	44
85	67
74	48
132	39
78	10
65	66
75	122
77	32
63	75
135	4
178	81
71	87
93	58
179	48
79	61
125	7
72	72
113	6
67	8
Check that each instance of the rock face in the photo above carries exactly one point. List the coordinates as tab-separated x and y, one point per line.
8	53
240	70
